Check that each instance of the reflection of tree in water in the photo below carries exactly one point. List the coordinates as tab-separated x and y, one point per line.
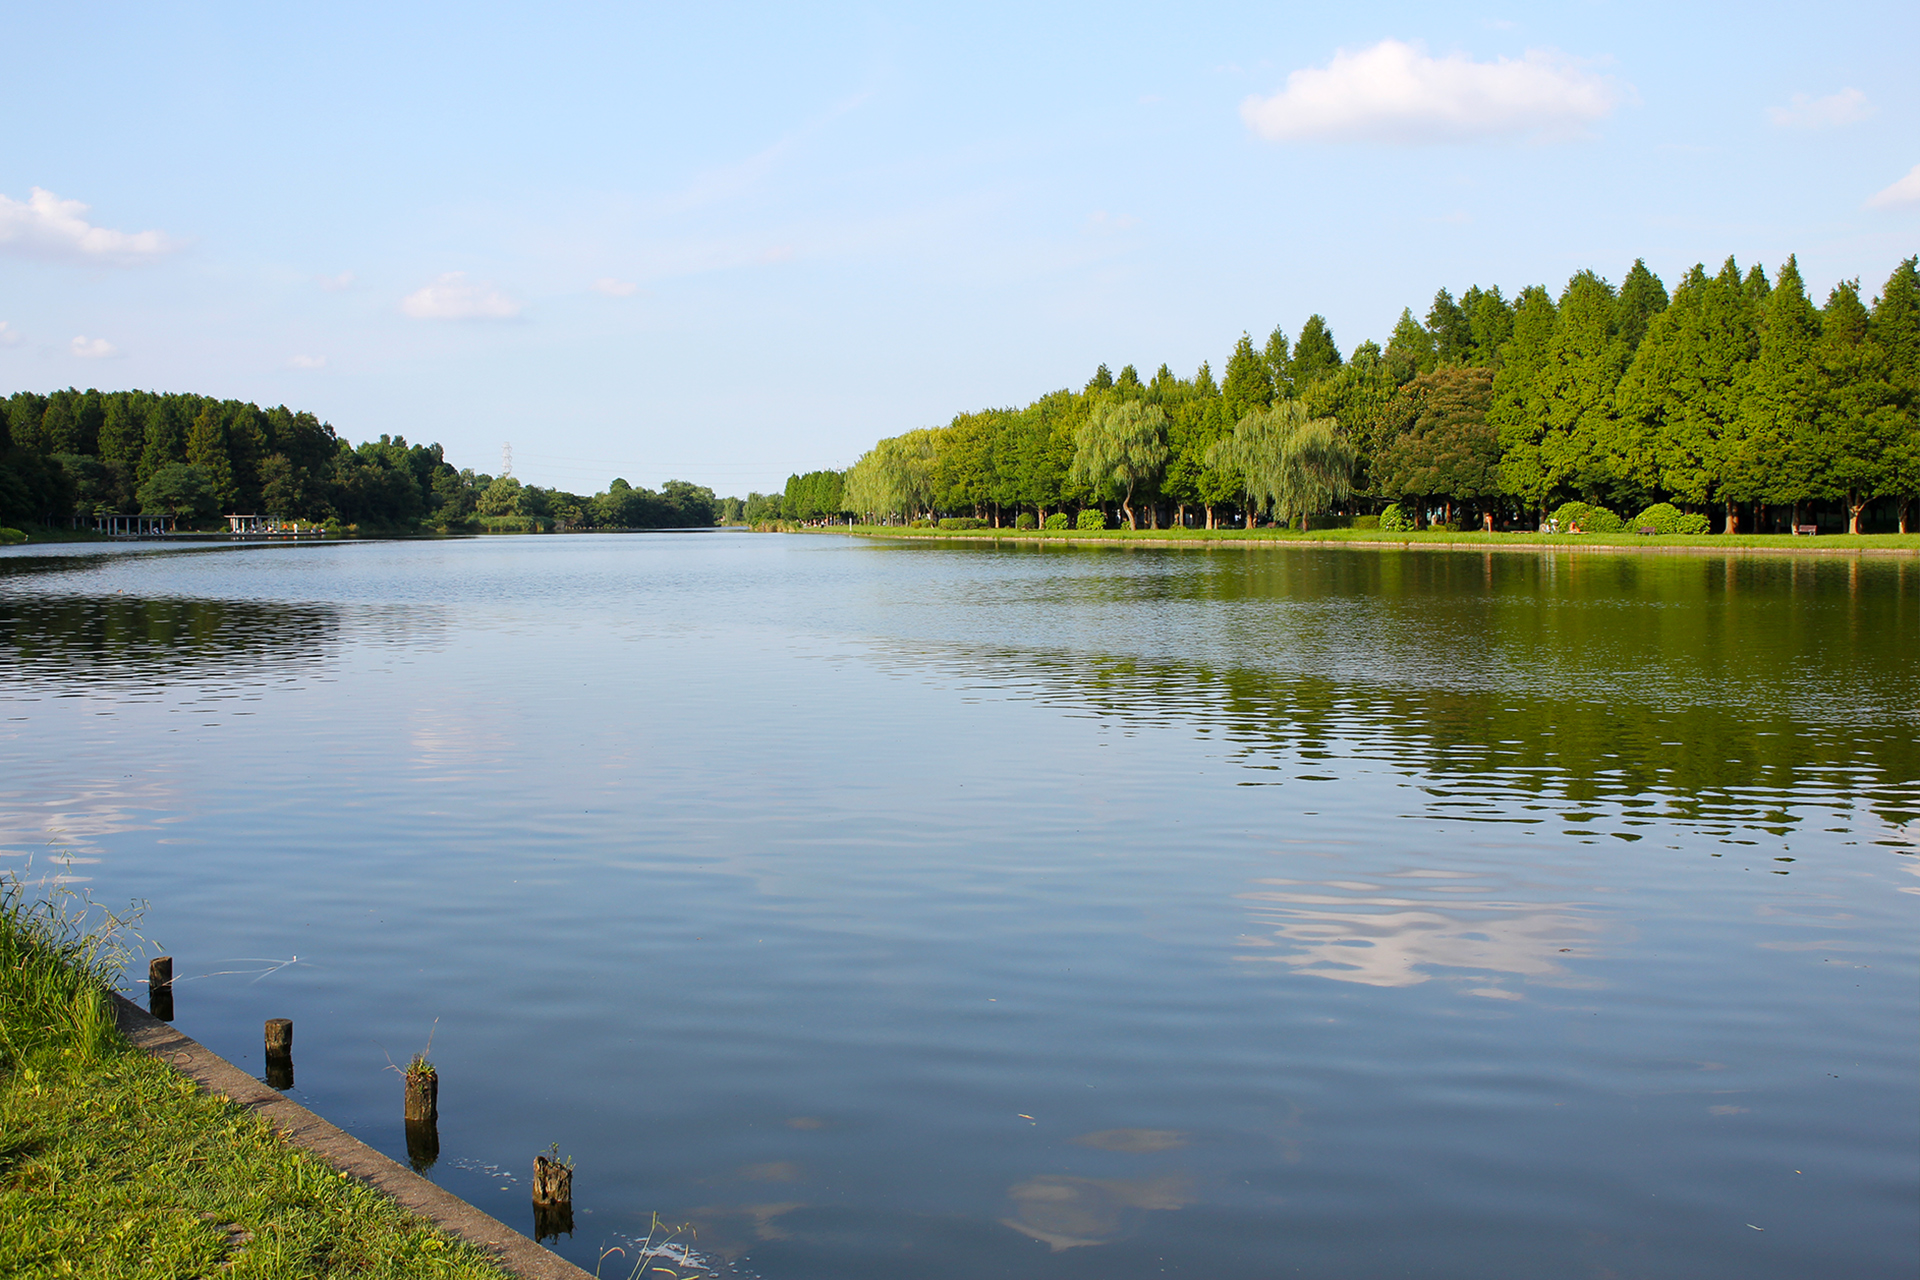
71	641
1725	693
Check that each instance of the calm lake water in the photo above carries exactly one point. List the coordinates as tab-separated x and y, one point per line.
904	910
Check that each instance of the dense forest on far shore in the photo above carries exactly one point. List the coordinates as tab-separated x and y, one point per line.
89	453
1734	403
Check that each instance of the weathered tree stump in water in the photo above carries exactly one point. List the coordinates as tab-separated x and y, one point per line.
160	988
552	1198
552	1182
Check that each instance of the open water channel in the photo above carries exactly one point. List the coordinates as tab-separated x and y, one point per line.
908	910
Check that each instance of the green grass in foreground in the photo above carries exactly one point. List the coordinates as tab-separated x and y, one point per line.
1909	542
112	1164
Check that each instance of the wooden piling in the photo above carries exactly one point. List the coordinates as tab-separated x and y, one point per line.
423	1093
160	988
279	1037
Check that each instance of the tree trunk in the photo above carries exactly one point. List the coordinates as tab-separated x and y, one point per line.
1903	516
1904	503
1249	515
1854	507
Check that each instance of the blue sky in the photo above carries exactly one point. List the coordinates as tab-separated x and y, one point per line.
723	242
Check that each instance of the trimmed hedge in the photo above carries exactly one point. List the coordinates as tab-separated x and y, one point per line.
962	522
1664	517
1059	520
1092	518
1024	520
1590	518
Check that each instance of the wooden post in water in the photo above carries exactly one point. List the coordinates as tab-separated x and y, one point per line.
423	1093
280	1053
552	1198
160	987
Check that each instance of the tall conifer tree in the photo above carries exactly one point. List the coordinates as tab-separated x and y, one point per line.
1279	358
1411	349
1642	297
1518	412
1315	355
1774	458
207	450
1859	413
1452	330
1584	363
1248	385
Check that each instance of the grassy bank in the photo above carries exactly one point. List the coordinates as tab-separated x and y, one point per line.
1908	544
112	1164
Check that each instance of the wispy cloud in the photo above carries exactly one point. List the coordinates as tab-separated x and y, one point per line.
1804	111
334	284
1901	194
451	297
308	362
615	288
45	226
92	348
9	336
1397	93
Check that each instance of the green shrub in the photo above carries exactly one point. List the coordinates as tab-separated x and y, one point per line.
1092	518
1664	517
1366	522
1395	519
1590	518
961	522
10	536
1024	520
1059	520
919	524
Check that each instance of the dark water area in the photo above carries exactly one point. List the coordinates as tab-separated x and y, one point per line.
903	910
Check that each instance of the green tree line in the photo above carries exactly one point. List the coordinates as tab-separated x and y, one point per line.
87	453
1734	397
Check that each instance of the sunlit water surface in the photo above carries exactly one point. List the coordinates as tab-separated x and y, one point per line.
936	911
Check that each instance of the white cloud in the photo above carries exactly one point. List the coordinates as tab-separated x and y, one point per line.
1849	106
45	226
615	288
1900	194
9	336
93	348
309	362
1397	93
452	298
334	284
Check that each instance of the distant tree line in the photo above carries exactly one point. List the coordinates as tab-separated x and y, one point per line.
808	499
86	453
1734	397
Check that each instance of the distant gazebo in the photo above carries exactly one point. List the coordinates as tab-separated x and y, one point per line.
118	526
245	524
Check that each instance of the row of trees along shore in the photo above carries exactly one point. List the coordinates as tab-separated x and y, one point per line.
92	453
1734	398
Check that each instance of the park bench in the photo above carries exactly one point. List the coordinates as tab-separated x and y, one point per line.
1809	529
1648	531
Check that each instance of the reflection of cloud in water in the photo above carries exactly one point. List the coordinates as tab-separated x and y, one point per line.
79	820
1066	1213
1133	1141
1360	931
